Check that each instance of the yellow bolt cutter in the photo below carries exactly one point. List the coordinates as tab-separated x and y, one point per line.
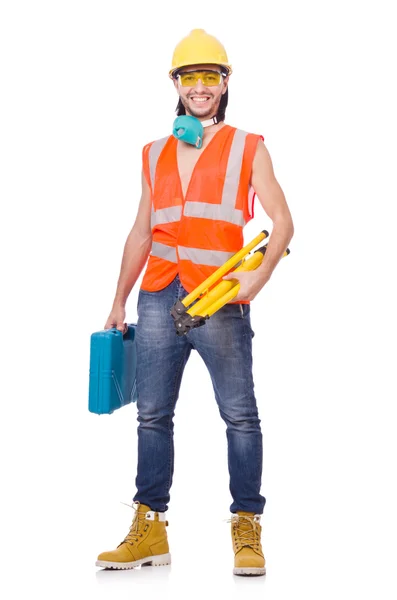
211	300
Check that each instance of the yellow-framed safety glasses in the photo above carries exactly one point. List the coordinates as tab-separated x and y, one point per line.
208	78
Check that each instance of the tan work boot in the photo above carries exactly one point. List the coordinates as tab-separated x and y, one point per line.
246	536
145	544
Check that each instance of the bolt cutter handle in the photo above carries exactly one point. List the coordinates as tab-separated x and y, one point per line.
211	300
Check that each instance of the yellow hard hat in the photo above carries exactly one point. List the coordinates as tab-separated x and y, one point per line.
199	48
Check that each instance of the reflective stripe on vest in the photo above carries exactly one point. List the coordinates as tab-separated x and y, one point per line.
198	256
166	215
213	258
154	153
218	212
164	251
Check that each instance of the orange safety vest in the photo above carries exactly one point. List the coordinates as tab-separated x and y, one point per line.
195	235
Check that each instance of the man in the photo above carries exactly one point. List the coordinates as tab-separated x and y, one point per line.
195	202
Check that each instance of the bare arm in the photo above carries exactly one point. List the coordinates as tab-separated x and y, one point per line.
136	250
272	198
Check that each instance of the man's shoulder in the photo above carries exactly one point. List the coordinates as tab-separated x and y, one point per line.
246	132
154	147
158	140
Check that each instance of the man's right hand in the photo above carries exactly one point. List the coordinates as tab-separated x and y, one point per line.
116	319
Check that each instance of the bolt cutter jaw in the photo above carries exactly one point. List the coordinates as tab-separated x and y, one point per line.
178	309
186	322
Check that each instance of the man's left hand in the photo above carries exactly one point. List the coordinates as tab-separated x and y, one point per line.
250	284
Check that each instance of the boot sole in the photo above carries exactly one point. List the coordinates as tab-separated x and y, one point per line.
249	571
154	561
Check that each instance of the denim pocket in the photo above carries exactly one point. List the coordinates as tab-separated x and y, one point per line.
245	313
143	297
244	310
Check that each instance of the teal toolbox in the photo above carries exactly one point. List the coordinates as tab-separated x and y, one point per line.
112	370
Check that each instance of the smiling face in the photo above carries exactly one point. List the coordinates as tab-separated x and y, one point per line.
201	101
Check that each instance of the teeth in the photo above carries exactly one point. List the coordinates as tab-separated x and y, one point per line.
200	99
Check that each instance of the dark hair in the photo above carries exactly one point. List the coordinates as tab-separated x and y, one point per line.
180	109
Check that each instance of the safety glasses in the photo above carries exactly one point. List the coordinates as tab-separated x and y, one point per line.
208	78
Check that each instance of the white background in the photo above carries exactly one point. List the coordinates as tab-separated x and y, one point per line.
84	86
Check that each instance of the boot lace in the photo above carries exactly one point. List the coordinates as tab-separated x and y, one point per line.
139	518
246	531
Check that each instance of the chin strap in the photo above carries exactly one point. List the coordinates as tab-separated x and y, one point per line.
208	122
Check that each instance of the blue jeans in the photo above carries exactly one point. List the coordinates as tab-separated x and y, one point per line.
225	345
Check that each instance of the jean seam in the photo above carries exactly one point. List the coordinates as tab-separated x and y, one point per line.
172	406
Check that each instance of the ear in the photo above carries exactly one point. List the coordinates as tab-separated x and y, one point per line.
175	82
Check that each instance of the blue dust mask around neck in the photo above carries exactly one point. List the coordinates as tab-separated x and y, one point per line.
191	130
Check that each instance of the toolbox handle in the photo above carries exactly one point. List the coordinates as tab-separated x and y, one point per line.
128	334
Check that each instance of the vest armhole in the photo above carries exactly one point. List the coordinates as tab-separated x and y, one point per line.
249	154
145	165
